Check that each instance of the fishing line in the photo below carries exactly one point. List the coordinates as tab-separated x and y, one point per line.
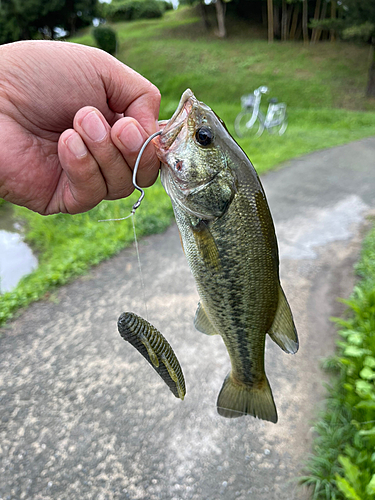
132	213
139	266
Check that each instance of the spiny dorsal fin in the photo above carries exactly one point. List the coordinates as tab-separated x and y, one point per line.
283	331
202	323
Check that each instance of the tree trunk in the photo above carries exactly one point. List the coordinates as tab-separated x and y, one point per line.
332	33
72	27
203	12
370	91
293	26
316	17
270	20
220	14
284	20
276	22
305	29
323	16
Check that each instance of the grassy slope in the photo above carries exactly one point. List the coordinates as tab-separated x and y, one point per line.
323	86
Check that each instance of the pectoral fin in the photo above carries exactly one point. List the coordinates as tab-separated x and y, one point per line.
283	331
202	323
206	245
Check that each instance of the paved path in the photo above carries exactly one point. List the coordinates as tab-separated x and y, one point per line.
82	415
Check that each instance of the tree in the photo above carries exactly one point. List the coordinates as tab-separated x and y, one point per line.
24	19
220	10
357	21
305	32
77	14
271	27
364	29
220	15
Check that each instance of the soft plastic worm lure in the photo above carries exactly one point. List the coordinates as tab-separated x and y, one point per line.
155	348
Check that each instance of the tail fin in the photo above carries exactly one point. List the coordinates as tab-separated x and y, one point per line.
236	399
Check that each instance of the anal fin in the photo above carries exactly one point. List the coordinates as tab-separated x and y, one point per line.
283	332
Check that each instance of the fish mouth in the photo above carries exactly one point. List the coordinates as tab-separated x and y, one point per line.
172	127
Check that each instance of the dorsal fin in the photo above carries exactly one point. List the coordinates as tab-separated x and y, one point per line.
283	331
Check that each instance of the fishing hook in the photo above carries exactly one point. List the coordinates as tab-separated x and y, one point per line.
136	205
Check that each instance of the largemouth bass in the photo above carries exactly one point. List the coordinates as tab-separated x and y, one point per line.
229	240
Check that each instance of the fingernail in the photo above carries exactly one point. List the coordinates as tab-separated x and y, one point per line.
94	127
131	138
76	146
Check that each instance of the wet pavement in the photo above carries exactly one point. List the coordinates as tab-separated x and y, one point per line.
82	415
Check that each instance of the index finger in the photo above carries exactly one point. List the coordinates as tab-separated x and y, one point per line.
130	93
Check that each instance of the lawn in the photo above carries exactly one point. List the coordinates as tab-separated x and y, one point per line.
323	86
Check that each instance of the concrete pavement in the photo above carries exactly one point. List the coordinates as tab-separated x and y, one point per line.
83	416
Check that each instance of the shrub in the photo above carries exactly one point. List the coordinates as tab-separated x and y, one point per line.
134	9
165	5
151	9
344	463
105	38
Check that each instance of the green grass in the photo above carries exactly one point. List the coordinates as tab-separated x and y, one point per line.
69	245
323	86
343	465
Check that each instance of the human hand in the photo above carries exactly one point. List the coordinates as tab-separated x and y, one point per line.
72	120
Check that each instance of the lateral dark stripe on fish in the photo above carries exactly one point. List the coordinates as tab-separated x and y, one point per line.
155	348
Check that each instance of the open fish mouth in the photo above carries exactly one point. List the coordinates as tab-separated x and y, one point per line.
172	127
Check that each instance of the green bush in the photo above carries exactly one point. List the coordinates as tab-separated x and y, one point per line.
134	9
151	9
105	38
165	5
343	465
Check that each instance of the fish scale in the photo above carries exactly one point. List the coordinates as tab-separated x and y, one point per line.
228	294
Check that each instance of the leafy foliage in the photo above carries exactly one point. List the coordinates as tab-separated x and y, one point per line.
165	5
357	20
343	466
25	19
105	38
130	10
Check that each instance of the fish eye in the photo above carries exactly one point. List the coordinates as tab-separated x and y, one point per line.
204	136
